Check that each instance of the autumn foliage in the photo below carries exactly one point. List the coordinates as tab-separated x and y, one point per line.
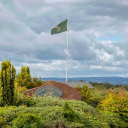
117	103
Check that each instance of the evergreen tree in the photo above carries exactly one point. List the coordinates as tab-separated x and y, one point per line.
28	70
24	77
8	73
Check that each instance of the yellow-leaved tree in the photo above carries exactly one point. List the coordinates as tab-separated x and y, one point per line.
117	103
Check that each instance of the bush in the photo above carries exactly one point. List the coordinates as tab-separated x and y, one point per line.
47	101
55	124
3	123
62	124
118	90
19	89
97	94
117	103
27	120
85	92
20	99
50	110
69	114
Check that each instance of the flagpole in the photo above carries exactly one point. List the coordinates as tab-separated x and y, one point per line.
67	48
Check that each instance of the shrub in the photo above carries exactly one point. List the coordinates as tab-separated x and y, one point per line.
97	94
3	123
50	110
19	89
47	101
76	125
118	90
55	124
27	120
20	99
62	124
85	92
69	114
78	106
117	103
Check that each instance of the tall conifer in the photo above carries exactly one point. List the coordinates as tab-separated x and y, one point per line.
8	73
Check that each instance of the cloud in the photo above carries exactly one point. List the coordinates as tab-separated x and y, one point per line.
26	40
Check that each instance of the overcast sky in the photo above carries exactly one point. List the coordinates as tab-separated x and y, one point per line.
98	37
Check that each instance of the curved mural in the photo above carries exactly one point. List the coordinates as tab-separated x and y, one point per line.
49	91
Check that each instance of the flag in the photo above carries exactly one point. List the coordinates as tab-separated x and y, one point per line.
61	27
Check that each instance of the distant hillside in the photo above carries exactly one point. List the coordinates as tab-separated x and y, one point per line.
112	80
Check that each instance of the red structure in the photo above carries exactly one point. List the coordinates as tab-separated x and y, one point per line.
68	92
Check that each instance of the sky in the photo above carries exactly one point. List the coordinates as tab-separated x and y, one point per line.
98	38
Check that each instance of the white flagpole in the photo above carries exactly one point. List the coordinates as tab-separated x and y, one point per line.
67	48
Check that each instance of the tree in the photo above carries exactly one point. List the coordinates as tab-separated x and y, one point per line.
108	85
28	70
117	103
84	91
8	73
24	77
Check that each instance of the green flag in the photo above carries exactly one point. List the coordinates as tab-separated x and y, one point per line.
61	27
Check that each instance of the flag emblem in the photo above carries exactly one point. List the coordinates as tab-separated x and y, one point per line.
58	28
61	27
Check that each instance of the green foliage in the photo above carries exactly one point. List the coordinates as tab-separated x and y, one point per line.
97	94
69	114
20	99
19	89
108	85
118	90
78	106
27	120
107	120
0	90
8	73
3	122
37	82
126	87
117	103
55	124
62	124
46	101
24	79
85	92
102	85
10	113
28	70
51	111
122	86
